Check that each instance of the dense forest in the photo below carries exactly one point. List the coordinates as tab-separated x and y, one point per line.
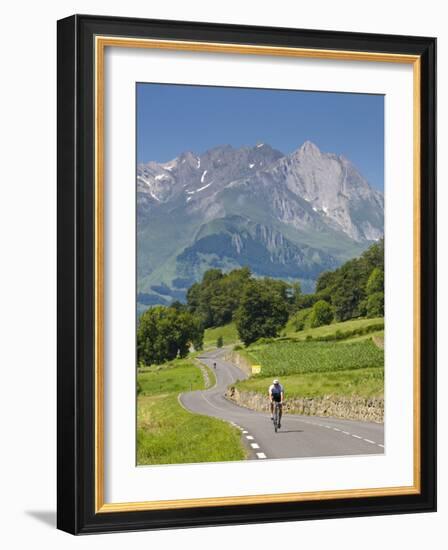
261	307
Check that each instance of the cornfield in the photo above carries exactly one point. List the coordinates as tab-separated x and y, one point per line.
283	358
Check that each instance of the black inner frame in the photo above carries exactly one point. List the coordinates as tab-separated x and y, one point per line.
76	262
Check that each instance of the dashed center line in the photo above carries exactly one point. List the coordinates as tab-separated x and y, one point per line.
347	433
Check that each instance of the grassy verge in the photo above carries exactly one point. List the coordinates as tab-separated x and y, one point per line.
169	434
211	375
175	377
368	382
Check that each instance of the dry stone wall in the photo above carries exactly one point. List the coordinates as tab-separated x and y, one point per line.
350	408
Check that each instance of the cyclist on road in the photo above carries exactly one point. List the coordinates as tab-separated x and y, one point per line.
276	394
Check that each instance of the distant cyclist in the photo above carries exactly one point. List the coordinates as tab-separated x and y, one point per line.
277	395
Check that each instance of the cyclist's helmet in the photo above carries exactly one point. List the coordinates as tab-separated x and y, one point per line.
275	382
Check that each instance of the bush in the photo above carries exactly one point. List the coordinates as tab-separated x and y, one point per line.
237	347
322	314
375	304
299	320
219	342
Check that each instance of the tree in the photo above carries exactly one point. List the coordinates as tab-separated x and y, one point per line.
325	280
262	312
322	314
349	286
219	342
375	304
178	306
164	333
375	293
374	256
347	297
216	298
375	282
305	301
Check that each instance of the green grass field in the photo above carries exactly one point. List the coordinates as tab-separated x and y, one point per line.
228	333
310	368
368	382
178	376
283	358
329	330
169	434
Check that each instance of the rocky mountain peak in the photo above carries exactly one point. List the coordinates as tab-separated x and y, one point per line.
288	216
309	148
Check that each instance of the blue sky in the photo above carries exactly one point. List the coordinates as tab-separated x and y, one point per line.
173	118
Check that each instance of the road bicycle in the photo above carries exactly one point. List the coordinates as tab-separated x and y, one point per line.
276	415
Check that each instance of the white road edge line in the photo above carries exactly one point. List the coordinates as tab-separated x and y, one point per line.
261	455
346	433
370	441
379	445
357	436
255	445
211	404
249	437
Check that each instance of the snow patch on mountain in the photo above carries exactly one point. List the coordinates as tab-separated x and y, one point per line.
339	196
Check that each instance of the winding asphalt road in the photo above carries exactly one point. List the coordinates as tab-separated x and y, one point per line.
299	436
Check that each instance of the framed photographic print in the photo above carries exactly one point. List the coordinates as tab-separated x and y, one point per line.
246	274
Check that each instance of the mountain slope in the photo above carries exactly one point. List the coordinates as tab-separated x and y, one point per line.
287	216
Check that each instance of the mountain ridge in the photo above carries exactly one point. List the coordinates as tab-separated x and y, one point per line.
295	215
